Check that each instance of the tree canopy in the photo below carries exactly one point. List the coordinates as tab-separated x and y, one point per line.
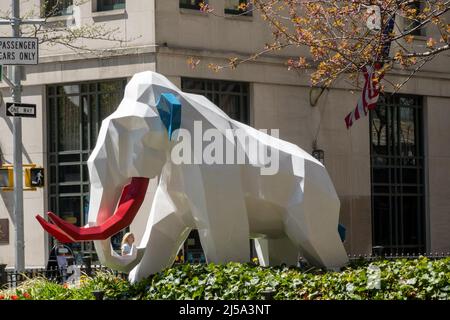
343	36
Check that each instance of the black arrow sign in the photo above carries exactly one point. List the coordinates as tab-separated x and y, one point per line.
20	110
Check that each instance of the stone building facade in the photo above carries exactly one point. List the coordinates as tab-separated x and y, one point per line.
391	170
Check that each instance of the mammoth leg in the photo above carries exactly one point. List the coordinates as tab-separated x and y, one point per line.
317	243
165	233
311	221
218	206
312	225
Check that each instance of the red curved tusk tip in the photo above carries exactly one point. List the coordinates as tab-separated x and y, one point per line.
55	231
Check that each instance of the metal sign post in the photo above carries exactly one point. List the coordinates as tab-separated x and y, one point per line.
17	152
16	90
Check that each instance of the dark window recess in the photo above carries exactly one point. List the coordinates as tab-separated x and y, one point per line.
193	251
106	5
53	8
231	97
75	113
192	4
413	23
398	218
238	7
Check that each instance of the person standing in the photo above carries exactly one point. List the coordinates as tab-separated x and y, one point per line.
127	243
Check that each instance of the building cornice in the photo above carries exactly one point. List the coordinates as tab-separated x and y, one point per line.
100	54
275	59
267	70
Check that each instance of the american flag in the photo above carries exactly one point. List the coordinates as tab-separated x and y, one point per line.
371	89
369	95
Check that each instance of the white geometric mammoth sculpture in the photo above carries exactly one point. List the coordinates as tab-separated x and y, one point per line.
229	181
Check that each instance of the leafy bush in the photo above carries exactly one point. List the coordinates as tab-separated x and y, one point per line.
43	289
395	279
398	279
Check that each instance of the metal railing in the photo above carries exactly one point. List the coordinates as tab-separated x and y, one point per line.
10	279
380	255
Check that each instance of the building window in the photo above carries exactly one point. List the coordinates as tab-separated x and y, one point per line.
397	165
53	8
105	5
75	113
192	4
238	7
412	23
231	97
193	252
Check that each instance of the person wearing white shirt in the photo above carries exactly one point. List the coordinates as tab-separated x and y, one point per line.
127	243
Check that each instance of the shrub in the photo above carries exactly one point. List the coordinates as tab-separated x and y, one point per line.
394	279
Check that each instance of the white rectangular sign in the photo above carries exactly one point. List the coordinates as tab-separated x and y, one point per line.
19	51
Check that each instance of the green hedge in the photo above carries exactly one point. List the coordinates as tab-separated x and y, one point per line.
398	279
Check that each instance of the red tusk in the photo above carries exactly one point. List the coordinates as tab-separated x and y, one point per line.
131	200
54	231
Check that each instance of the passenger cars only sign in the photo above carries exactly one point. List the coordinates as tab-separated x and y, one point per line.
19	51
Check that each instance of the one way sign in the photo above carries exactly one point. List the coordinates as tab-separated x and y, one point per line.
20	110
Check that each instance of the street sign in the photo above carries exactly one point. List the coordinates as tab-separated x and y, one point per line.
20	110
19	51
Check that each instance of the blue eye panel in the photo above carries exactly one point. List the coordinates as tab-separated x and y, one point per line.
169	108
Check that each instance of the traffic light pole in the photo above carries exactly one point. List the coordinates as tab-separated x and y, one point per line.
16	93
17	151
